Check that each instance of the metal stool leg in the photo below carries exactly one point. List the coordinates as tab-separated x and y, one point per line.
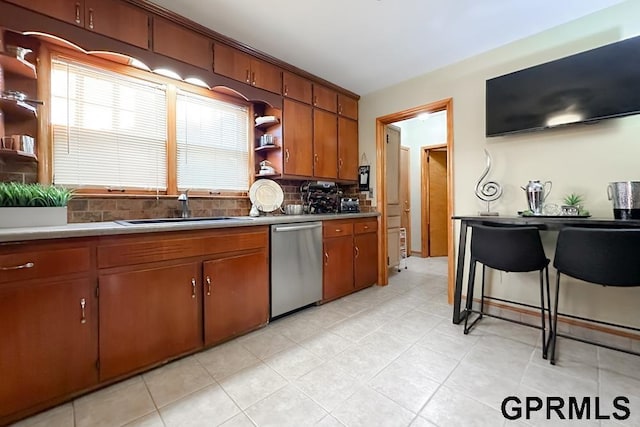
555	323
469	303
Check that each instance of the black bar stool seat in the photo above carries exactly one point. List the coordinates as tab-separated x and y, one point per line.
509	249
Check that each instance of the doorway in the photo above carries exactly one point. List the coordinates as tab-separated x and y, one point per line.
434	201
381	173
405	195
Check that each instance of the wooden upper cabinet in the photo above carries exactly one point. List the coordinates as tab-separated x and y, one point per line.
297	131
71	11
347	149
325	145
325	98
119	20
232	63
296	87
178	42
347	106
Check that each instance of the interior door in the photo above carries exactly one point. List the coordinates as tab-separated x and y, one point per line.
405	195
393	138
437	202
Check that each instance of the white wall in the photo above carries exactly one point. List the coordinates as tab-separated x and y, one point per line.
416	134
581	159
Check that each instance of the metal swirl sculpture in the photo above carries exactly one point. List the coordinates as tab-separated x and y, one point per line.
490	191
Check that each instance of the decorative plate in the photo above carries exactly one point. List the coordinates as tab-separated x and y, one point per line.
266	195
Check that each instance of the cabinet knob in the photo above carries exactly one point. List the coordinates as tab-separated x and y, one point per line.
315	158
357	250
253	78
193	288
326	258
286	90
208	279
286	154
248	79
83	317
340	163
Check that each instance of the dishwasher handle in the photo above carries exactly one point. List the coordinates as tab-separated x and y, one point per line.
296	227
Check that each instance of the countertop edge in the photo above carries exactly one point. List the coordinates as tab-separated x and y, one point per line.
89	229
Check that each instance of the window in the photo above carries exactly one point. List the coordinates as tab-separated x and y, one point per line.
212	144
109	130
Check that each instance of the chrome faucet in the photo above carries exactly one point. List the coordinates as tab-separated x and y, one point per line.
183	198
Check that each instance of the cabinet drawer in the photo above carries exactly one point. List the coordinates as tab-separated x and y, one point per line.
337	228
370	226
36	264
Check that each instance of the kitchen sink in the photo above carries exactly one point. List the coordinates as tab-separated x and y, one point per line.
180	220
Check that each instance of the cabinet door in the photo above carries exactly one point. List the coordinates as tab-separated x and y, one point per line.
325	98
366	259
231	63
49	341
325	145
337	277
296	87
236	295
71	11
148	316
347	106
266	76
297	139
119	20
176	41
347	149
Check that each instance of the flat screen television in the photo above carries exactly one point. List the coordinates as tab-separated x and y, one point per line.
589	86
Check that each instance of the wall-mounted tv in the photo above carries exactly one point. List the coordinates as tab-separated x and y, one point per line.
589	86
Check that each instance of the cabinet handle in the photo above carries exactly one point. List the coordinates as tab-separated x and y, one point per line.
326	258
338	230
83	317
286	154
208	286
286	90
315	158
193	288
77	13
315	100
253	78
366	227
91	19
339	108
18	267
340	163
247	79
357	251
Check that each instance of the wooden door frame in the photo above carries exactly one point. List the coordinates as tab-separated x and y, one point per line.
381	173
402	212
424	192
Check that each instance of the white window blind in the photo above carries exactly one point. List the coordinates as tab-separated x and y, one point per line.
213	144
109	130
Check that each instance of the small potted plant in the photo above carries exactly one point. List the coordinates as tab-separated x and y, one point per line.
573	205
31	205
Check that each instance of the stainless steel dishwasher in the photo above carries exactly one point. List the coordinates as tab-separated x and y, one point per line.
296	266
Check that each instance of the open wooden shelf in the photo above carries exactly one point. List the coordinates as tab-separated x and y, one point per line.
16	110
267	148
17	155
16	66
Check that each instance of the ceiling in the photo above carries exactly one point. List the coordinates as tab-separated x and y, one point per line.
367	45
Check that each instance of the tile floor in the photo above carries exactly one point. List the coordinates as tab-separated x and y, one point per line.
386	356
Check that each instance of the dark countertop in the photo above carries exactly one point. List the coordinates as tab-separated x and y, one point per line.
113	228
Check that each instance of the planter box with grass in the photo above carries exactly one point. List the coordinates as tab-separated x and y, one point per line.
32	205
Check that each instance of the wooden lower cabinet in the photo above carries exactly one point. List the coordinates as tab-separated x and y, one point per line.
236	295
48	325
147	316
350	256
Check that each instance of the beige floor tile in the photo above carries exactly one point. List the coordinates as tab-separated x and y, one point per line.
360	361
252	384
367	408
329	421
453	346
208	407
555	382
151	420
617	361
114	406
226	359
240	420
412	325
542	418
286	407
327	385
293	362
296	327
323	316
265	343
451	408
352	329
326	344
176	380
402	383
431	364
622	385
389	346
60	416
421	422
511	361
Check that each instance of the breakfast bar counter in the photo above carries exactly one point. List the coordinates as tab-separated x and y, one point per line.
541	222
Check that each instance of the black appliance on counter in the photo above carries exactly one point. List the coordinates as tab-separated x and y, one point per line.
320	197
349	205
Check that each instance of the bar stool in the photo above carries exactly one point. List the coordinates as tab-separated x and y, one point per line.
509	249
598	256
